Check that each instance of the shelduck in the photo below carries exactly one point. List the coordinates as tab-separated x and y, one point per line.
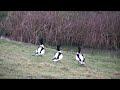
80	57
58	55
41	49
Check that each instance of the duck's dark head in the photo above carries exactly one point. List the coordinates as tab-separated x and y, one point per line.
41	41
58	47
79	49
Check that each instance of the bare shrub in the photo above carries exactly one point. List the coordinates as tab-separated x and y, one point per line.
95	29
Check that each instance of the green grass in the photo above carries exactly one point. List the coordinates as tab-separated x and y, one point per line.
17	61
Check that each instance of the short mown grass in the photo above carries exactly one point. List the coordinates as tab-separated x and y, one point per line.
18	61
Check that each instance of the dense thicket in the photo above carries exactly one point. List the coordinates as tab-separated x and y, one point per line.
95	29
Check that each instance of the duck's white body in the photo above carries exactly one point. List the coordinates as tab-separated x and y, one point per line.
40	50
58	56
80	58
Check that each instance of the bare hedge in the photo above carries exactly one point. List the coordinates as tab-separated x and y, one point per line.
94	29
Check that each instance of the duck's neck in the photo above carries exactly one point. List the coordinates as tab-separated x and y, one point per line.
79	51
42	45
59	51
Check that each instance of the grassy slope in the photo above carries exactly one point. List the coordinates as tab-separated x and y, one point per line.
17	61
